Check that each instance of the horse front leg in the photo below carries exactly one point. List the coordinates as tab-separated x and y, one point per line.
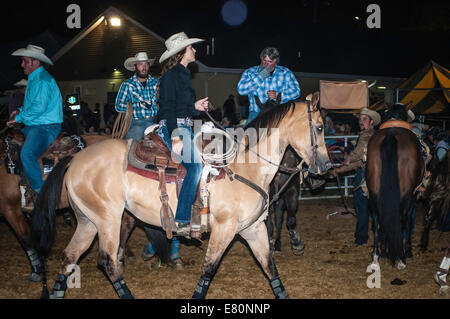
269	226
256	237
297	245
441	275
221	236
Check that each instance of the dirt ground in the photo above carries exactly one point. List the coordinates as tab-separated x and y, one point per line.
329	267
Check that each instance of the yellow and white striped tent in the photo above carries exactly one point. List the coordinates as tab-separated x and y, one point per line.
427	89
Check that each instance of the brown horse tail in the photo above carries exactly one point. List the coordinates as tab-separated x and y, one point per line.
43	222
389	200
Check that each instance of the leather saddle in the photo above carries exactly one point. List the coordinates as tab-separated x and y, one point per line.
62	146
151	158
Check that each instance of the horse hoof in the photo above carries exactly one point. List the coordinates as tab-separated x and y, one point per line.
298	250
177	264
35	277
444	291
155	263
401	265
408	254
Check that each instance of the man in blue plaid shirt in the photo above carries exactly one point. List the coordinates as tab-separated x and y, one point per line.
140	90
266	81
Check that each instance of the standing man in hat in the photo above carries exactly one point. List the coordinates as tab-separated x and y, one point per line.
42	112
368	119
140	90
266	81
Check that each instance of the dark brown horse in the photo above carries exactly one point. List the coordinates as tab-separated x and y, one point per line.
10	199
394	169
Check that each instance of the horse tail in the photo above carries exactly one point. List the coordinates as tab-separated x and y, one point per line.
159	242
43	222
389	200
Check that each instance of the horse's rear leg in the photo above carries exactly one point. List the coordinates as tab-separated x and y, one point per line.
108	246
80	242
256	237
127	227
430	217
220	238
279	210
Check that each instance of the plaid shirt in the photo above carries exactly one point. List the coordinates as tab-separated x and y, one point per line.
282	80
143	99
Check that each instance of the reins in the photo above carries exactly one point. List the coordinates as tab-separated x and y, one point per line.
291	171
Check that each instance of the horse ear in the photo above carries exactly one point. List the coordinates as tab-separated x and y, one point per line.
408	106
258	102
279	98
315	100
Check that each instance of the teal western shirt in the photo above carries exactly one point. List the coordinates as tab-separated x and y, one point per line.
43	101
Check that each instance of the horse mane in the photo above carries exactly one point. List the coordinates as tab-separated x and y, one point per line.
396	112
271	116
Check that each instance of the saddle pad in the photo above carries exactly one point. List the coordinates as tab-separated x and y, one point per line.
171	179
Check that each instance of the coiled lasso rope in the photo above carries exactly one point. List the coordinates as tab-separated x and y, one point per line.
218	159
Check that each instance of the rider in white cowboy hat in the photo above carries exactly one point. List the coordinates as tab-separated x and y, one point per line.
177	106
42	112
139	90
368	119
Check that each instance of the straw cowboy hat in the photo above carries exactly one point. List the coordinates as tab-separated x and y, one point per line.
176	43
411	115
22	82
372	114
33	51
139	57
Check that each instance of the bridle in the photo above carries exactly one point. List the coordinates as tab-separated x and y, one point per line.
288	170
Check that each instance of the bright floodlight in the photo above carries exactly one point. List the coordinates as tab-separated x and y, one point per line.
115	22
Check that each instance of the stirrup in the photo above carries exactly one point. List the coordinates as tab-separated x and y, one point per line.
184	229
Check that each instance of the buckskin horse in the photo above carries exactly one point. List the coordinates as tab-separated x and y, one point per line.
10	196
99	188
394	169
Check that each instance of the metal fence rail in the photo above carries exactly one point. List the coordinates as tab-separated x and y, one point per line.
331	189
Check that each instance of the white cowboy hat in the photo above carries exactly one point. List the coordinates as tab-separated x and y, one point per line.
22	82
176	43
33	51
139	57
411	115
372	114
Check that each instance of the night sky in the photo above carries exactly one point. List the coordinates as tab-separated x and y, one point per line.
313	35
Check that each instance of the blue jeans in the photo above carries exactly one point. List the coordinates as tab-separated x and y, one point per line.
362	210
137	128
37	139
193	167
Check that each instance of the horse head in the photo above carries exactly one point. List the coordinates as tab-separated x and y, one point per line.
306	135
396	112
